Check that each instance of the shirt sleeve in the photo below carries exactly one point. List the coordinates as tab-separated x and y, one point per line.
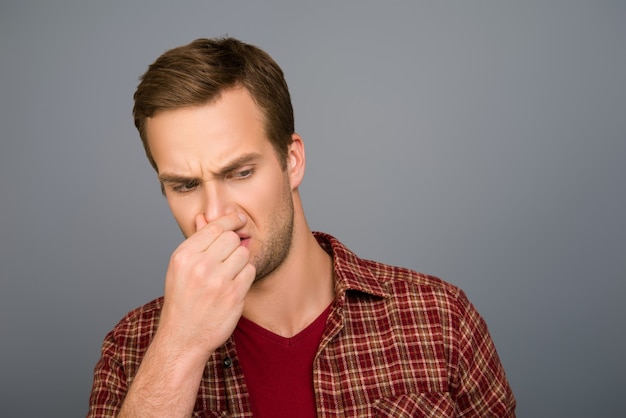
109	383
482	389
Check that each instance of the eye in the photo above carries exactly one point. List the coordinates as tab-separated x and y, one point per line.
186	186
240	174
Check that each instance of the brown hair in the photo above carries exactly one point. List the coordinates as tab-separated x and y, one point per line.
197	74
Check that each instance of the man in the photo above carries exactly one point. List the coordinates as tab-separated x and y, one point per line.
260	316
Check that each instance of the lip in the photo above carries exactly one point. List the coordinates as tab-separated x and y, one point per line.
244	241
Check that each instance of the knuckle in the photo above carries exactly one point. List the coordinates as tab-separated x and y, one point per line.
242	253
214	229
232	237
228	239
179	257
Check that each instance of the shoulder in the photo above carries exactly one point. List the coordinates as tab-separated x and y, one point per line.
138	326
408	288
143	314
401	288
402	279
390	275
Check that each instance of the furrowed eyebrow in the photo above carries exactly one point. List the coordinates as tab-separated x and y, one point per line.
173	178
238	162
227	168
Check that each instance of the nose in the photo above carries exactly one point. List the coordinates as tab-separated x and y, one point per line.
217	201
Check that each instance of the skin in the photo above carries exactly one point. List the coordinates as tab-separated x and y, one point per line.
248	249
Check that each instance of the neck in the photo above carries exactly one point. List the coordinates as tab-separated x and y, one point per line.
290	298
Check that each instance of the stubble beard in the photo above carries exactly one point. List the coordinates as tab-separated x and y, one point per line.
277	244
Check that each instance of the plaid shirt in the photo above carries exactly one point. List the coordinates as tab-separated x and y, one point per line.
397	343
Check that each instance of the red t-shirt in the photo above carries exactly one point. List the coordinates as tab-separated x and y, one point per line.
278	370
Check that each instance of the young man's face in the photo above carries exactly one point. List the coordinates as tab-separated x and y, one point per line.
216	159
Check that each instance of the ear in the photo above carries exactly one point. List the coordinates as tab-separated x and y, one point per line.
296	161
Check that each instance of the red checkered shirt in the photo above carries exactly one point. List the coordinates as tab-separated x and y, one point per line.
396	343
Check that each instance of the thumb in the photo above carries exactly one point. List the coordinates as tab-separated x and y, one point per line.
201	221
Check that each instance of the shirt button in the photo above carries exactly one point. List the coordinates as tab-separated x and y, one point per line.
227	362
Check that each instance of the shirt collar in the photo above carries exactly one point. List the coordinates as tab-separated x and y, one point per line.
351	272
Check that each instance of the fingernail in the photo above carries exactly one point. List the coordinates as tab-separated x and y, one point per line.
242	217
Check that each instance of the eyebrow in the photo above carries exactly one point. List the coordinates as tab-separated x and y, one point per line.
227	168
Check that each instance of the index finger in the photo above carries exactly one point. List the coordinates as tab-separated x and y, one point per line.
205	236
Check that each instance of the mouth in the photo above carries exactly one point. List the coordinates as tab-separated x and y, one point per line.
244	241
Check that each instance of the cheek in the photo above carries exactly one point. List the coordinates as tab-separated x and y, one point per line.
269	200
254	204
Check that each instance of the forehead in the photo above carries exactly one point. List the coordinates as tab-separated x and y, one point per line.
209	134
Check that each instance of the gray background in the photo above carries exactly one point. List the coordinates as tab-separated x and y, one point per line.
483	142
